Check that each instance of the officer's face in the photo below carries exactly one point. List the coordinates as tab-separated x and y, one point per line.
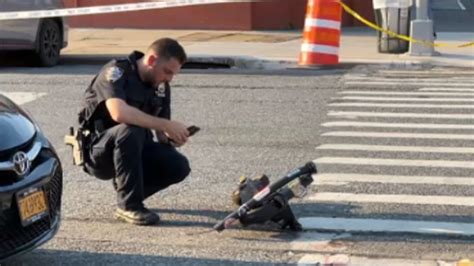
163	70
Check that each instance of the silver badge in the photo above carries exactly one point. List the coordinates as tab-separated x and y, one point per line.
160	92
113	73
21	163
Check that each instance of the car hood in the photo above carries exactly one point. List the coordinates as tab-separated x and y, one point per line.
16	128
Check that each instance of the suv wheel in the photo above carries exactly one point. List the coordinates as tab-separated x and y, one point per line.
49	43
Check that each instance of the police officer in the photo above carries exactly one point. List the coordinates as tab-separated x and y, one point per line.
127	112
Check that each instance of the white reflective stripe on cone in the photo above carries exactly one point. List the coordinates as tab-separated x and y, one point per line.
322	23
318	48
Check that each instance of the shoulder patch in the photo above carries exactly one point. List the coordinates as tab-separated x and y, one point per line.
113	73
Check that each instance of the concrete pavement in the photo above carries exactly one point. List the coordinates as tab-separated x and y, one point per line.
256	50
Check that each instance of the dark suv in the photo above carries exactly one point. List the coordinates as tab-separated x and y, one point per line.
30	183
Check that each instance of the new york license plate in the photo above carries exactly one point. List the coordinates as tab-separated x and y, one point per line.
32	205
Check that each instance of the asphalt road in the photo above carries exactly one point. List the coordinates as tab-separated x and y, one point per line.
253	123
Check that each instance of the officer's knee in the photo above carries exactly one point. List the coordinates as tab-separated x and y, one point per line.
183	169
131	135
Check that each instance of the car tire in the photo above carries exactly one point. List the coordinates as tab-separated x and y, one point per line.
49	43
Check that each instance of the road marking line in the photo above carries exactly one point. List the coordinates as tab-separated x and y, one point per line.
404	115
404	105
406	99
395	162
398	135
389	148
354	78
22	97
341	179
409	93
403	83
430	72
395	125
390	198
379	225
446	89
325	259
309	241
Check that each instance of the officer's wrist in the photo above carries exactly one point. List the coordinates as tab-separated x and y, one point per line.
164	125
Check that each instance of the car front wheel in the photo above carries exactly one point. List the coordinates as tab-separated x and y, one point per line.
49	43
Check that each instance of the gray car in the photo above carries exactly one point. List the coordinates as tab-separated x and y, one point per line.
45	37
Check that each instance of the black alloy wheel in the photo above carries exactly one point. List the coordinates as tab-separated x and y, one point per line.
49	43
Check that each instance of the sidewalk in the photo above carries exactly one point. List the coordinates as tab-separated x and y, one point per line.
256	49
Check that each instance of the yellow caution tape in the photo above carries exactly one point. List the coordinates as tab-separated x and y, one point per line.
396	35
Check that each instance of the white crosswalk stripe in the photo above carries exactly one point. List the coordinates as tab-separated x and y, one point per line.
388	148
350	78
411	93
403	105
401	199
22	97
440	98
396	135
408	83
395	125
395	162
406	99
342	179
380	225
445	89
402	115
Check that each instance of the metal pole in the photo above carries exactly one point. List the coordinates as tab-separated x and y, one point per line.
422	10
422	29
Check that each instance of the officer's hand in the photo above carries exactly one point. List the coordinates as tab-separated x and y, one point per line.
177	132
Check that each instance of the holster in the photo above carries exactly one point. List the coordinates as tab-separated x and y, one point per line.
79	140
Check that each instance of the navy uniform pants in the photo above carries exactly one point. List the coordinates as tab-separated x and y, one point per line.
140	166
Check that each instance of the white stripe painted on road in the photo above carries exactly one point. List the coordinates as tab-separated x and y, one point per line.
405	105
395	125
411	83
22	97
307	241
445	89
395	162
429	72
342	178
392	198
343	259
398	135
358	78
390	148
406	99
407	93
404	115
380	225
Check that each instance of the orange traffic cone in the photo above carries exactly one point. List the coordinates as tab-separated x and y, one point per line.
322	31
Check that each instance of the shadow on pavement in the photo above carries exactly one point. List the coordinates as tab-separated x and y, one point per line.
60	257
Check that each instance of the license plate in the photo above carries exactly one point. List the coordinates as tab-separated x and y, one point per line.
32	205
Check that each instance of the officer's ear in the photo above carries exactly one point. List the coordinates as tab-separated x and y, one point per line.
151	60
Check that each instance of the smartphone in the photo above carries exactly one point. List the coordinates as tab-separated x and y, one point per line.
193	130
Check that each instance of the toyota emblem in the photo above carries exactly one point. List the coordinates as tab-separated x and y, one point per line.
21	163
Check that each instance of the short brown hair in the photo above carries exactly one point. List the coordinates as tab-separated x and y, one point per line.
168	48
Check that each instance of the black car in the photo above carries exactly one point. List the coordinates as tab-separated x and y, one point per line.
31	181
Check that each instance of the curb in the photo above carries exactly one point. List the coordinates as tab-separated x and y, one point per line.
254	63
194	61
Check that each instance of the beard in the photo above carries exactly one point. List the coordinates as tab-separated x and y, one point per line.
150	79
